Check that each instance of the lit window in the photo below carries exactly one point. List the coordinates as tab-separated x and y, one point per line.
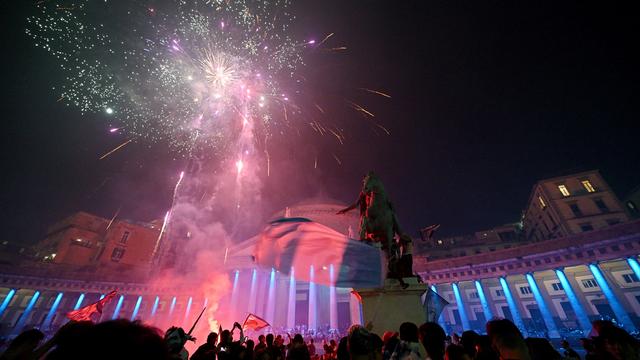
542	203
563	189
589	283
587	185
630	278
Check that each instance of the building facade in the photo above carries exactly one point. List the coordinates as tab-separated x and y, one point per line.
83	239
40	294
571	204
632	202
484	241
554	287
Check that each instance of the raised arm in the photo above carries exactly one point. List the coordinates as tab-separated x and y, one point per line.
352	206
237	325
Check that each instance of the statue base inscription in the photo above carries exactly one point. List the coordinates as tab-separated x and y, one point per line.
384	309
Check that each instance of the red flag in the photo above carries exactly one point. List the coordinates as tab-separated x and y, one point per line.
84	314
255	323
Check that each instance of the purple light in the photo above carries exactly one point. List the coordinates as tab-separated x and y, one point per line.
311	42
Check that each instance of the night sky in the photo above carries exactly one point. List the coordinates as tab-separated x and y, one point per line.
487	98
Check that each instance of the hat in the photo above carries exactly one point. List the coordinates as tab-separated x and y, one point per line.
388	335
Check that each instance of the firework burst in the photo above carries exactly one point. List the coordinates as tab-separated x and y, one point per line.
184	71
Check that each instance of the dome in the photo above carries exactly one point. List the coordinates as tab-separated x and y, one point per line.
323	211
320	210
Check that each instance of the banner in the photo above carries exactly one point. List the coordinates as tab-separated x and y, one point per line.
433	305
319	254
255	323
85	313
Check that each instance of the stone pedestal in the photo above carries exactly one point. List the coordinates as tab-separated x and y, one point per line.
387	307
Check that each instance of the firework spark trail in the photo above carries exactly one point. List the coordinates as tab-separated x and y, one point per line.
376	92
167	216
103	183
337	159
384	129
115	149
175	189
338	136
325	39
359	108
154	254
114	217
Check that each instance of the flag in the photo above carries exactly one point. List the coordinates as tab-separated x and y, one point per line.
433	305
254	322
319	254
85	313
427	233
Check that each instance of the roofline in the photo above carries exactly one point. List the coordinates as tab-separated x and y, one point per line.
540	182
570	175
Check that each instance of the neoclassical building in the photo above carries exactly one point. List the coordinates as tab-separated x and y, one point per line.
552	287
41	293
547	287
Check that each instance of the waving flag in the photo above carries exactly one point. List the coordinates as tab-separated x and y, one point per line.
433	305
319	254
255	323
85	313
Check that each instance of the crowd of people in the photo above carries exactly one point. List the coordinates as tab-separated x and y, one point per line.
124	339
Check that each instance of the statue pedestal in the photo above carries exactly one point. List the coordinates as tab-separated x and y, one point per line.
387	307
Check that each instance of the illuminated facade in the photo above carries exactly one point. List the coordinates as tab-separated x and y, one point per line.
553	287
549	287
299	303
39	295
